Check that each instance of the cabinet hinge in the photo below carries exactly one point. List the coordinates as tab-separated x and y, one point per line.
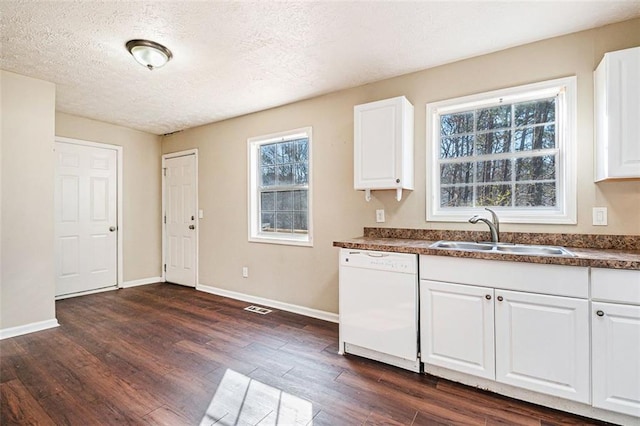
164	171
165	218
165	267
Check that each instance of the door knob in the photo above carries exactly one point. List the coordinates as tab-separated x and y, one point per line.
112	228
192	227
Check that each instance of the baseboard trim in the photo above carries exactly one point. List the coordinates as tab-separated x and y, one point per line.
6	333
86	293
142	281
296	309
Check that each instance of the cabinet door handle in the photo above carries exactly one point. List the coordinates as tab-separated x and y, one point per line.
500	298
397	180
488	297
600	313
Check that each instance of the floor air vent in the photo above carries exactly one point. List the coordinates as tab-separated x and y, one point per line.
258	309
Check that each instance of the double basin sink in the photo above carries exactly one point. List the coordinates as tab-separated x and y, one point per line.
503	248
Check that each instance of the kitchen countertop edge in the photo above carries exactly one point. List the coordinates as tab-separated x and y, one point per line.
596	258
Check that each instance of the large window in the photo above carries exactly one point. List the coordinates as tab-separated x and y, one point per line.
280	188
512	150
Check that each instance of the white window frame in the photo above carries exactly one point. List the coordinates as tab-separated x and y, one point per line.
255	234
565	210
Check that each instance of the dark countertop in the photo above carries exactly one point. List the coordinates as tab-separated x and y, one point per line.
593	257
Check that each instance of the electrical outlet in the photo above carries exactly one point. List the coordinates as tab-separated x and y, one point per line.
380	216
245	272
600	216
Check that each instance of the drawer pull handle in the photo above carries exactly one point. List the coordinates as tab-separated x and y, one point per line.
500	298
488	297
600	313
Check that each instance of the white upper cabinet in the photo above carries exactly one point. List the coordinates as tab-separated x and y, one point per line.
617	115
383	145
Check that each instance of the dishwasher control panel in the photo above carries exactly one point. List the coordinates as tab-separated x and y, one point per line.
382	261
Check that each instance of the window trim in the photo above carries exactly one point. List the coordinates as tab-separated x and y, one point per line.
565	211
255	235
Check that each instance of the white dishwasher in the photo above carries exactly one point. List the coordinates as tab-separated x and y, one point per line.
379	306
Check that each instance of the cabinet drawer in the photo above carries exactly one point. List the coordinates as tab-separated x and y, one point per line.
615	285
555	280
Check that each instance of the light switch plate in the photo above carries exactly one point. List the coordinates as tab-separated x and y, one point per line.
245	272
600	216
380	216
200	214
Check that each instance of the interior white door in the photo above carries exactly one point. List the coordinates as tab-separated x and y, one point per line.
180	220
85	218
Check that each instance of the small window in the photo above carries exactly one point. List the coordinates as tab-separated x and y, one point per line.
280	188
512	150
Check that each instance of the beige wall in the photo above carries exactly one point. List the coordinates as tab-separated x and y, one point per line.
27	285
142	196
309	276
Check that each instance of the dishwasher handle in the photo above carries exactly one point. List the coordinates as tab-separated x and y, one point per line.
377	254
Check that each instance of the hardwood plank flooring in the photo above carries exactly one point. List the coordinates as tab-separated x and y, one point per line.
168	355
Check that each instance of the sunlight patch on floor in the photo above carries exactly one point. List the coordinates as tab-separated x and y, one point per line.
241	400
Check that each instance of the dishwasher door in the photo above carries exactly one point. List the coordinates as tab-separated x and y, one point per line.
379	306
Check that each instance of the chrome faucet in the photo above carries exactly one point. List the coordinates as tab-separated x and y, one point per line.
494	226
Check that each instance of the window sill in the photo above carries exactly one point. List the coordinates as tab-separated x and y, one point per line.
529	217
282	240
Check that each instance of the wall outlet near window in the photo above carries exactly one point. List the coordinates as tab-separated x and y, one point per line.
380	216
600	216
245	272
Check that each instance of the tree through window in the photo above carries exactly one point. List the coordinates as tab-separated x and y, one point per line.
280	187
510	151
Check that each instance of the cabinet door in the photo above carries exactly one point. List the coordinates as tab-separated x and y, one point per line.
456	327
380	135
616	357
542	343
617	102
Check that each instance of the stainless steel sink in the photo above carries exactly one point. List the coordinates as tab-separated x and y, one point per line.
463	245
504	248
535	250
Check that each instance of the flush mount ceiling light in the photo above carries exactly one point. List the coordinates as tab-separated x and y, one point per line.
149	53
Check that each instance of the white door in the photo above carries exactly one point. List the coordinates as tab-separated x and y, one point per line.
616	357
542	343
85	218
180	219
457	327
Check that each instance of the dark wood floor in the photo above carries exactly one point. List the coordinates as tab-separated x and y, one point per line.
164	354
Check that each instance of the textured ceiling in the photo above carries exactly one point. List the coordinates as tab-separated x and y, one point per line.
233	58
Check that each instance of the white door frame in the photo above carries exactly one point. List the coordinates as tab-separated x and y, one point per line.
119	187
165	157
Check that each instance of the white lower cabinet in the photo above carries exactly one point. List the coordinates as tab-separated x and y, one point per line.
532	341
542	343
616	357
457	327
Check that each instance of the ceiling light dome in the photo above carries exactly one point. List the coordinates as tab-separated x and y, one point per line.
149	53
